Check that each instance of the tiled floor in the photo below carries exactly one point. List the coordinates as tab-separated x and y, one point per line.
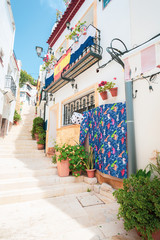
62	218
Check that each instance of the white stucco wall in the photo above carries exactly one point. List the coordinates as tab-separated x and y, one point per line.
144	20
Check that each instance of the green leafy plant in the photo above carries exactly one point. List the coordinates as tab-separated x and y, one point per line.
104	86
155	167
17	116
89	190
78	159
52	60
41	141
37	126
89	162
76	30
140	204
54	159
65	151
143	173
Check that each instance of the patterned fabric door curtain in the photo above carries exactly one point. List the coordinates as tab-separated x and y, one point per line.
107	129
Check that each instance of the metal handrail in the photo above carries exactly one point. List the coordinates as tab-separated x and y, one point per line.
98	37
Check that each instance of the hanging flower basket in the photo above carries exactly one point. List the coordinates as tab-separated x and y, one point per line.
104	95
114	91
83	29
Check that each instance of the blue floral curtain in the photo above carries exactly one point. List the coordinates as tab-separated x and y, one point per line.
107	129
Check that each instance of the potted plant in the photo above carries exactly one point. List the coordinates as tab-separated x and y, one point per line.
37	122
63	155
74	34
102	89
90	163
77	160
49	62
41	140
140	204
16	118
40	144
155	167
113	90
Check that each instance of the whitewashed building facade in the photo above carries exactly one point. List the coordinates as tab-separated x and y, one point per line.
9	67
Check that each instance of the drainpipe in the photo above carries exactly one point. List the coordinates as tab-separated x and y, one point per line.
132	166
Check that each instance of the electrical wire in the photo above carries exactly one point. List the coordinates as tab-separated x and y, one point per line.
116	53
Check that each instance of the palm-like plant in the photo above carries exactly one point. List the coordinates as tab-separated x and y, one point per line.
155	168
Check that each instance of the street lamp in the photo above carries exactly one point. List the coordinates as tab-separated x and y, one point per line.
39	51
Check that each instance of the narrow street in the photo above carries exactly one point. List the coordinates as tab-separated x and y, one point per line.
37	204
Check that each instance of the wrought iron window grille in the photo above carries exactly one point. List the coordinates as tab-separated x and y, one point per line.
79	105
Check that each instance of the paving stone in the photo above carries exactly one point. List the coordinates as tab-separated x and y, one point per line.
89	200
90	181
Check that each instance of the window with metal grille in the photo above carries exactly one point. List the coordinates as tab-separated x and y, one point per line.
79	105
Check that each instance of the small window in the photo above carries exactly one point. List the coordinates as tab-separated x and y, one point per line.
79	105
105	3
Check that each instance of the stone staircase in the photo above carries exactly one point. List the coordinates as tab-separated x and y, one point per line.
25	173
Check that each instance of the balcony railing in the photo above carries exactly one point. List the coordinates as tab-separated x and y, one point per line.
10	84
83	56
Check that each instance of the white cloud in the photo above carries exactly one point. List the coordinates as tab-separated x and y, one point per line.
54	4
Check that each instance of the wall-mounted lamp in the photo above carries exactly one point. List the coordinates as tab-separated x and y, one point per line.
51	95
68	26
39	51
73	84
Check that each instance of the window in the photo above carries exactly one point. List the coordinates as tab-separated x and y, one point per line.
105	3
79	105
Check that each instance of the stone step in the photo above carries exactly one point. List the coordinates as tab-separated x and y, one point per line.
20	165
17	141
33	182
22	150
30	194
18	147
22	155
25	172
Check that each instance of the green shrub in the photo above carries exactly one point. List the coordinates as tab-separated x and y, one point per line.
140	204
17	116
78	159
38	126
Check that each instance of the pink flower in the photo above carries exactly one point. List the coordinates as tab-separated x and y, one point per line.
115	78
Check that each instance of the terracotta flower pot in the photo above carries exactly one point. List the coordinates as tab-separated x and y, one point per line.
63	168
16	123
40	146
36	136
90	173
114	91
155	235
104	95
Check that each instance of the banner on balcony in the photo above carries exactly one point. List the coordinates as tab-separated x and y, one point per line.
49	75
84	42
62	63
107	129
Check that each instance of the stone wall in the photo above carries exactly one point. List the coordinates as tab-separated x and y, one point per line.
68	134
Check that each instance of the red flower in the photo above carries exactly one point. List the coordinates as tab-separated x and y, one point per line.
115	78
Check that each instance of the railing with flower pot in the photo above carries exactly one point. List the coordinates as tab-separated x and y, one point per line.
104	86
67	2
78	57
75	32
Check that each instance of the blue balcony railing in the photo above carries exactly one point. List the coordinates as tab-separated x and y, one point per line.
10	84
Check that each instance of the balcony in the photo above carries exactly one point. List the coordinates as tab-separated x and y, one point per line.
10	87
83	56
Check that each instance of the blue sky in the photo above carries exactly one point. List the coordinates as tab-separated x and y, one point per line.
34	20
